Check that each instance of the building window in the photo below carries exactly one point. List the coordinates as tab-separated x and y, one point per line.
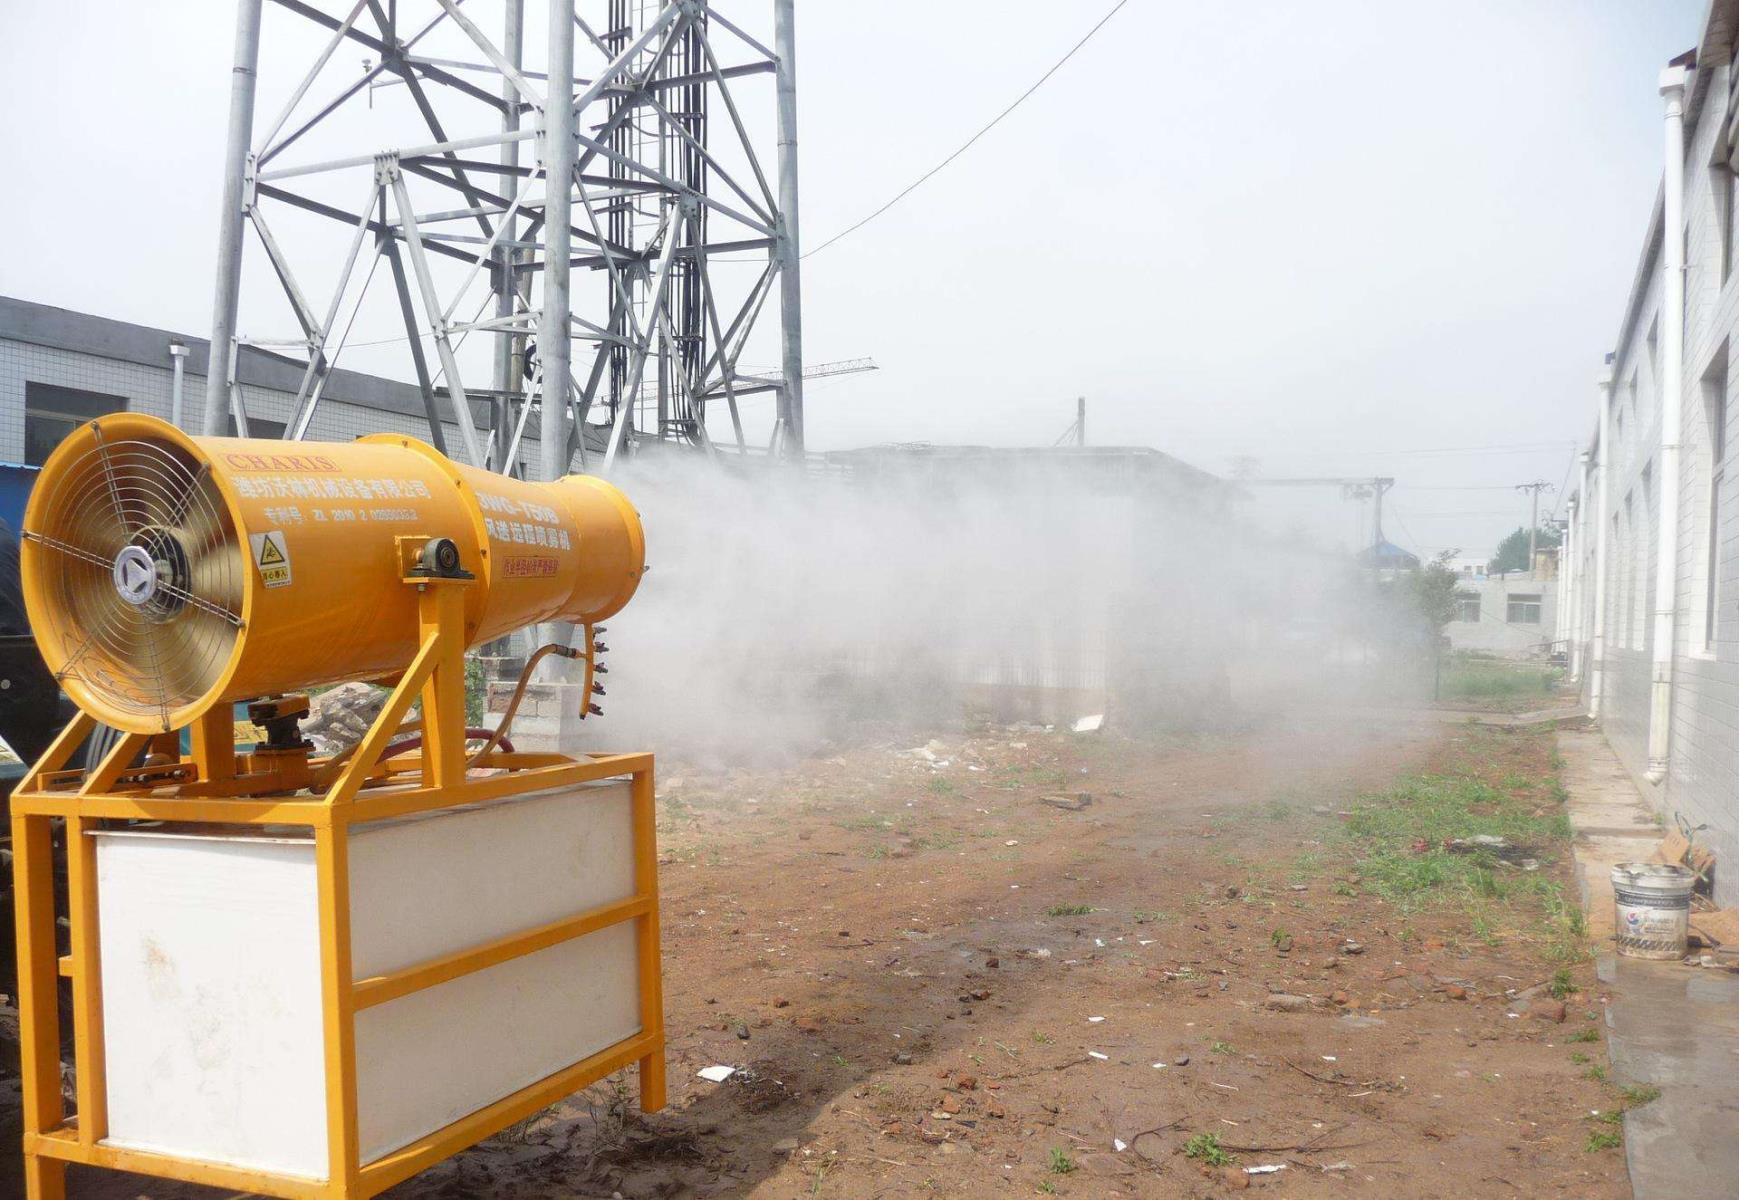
1467	606
258	427
51	412
1523	610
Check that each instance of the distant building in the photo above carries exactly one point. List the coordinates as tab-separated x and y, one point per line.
1386	559
1469	568
59	368
1512	616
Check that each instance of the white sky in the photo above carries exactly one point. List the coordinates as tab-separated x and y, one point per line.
1327	236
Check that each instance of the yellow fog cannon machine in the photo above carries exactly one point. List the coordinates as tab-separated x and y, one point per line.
305	975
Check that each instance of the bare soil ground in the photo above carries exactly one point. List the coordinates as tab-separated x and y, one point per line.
936	975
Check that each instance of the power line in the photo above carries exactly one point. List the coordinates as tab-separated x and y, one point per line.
967	145
1464	487
1505	448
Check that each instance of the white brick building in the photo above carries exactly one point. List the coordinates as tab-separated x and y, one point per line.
1653	620
58	367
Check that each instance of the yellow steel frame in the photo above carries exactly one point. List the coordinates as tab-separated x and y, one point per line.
216	786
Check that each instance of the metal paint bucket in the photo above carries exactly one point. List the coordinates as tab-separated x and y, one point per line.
1653	906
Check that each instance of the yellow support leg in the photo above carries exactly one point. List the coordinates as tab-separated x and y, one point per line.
38	1014
338	1010
652	1080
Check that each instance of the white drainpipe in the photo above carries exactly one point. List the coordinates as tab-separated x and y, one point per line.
1603	468
178	352
1672	341
1578	624
1566	606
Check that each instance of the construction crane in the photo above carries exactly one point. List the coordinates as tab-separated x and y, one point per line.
1361	488
766	383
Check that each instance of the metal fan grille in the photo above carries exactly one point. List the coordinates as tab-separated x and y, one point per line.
141	575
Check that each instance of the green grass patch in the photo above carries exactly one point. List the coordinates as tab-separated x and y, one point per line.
1640	1094
1060	1163
1491	679
1588	1035
1068	910
1206	1148
1604	1139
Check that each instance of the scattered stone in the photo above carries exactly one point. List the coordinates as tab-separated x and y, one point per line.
995	1110
1340	998
1331	963
1546	1010
902	1059
742	1032
1282	1002
1352	947
1231	891
1356	1021
1235	1178
1182	1060
949	1105
1455	991
785	1146
1283	944
781	1002
993	963
966	1083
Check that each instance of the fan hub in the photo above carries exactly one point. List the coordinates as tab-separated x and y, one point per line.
136	576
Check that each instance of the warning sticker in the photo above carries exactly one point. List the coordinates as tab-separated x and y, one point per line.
272	556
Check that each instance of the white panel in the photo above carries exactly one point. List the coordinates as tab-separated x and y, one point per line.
211	999
429	885
427	1059
210	949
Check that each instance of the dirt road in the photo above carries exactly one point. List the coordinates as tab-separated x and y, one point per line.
1018	962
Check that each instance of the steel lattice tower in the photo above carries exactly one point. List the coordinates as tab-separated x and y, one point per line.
631	169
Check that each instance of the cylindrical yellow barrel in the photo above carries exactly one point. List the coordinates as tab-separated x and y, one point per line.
165	574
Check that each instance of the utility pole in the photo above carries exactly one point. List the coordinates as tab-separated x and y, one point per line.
786	250
232	217
1080	420
1536	487
1378	487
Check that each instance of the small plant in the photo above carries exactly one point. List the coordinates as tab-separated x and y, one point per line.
1279	937
1584	1035
1047	1186
1219	1047
1579	1058
1597	1073
1562	985
1344	889
1604	1139
1206	1148
1060	1163
1639	1094
1043	1039
1068	910
940	786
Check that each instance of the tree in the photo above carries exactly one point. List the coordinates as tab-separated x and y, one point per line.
1434	593
1512	552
